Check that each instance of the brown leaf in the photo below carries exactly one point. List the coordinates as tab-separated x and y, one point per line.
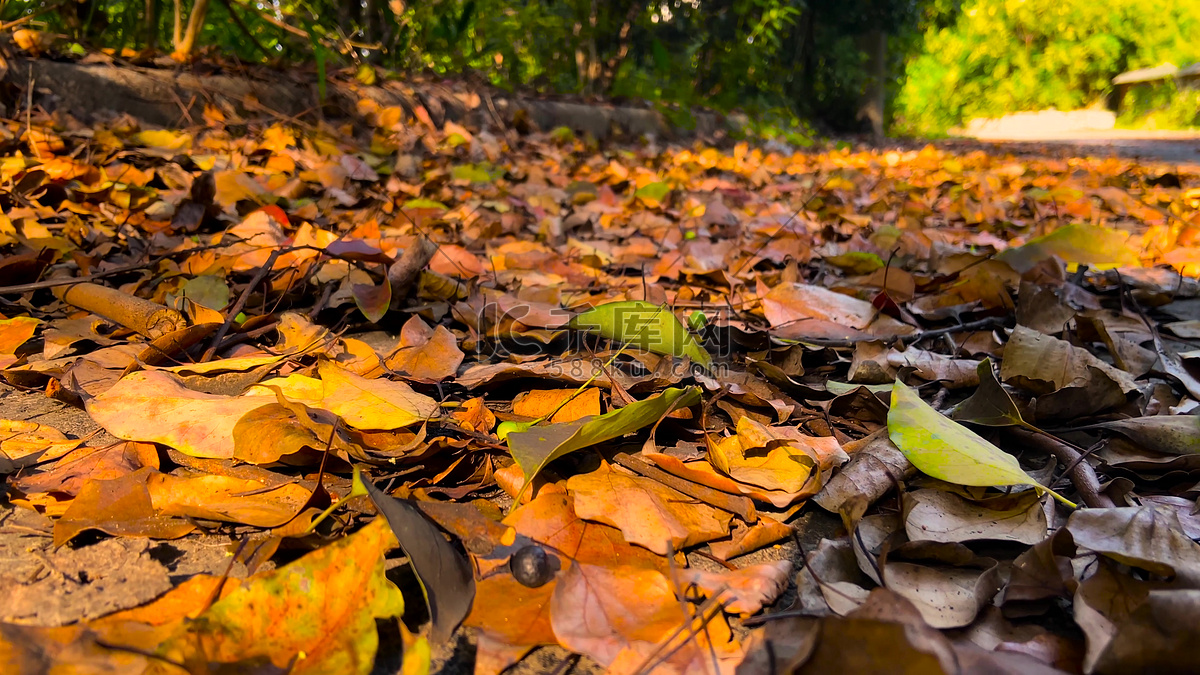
120	507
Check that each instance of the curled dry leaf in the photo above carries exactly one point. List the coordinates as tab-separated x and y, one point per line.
775	458
746	590
934	515
425	353
875	467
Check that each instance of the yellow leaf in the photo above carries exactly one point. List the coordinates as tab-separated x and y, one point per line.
944	449
372	404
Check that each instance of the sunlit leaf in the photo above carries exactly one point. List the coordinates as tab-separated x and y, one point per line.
537	447
1077	243
944	449
315	615
372	404
644	325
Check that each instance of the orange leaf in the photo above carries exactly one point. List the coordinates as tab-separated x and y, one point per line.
541	402
647	512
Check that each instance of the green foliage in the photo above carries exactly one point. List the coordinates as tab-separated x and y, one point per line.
786	58
1163	106
1002	56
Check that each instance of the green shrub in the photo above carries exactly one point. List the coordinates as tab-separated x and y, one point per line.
1003	56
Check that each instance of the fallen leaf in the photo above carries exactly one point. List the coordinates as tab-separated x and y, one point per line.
328	629
425	353
1077	243
934	515
946	597
444	575
792	303
1171	434
748	589
121	507
541	402
644	325
14	333
371	404
20	440
154	406
647	512
943	449
772	458
537	447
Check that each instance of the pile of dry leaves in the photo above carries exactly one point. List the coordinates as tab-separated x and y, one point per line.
565	374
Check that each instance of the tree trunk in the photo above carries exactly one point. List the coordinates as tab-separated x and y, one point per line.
183	48
873	103
151	25
177	36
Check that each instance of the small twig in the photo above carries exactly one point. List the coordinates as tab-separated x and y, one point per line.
1083	476
236	309
742	506
246	30
67	281
989	322
31	16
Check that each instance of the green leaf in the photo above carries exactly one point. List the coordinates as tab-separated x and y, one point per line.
373	301
944	449
208	290
654	192
470	172
856	262
643	325
1079	243
443	573
839	388
423	204
537	447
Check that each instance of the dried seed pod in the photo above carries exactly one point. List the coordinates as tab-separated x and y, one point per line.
531	566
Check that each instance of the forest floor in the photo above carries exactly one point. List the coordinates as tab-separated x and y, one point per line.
398	394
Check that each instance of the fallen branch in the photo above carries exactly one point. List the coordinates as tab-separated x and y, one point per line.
1083	476
141	316
742	506
405	271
